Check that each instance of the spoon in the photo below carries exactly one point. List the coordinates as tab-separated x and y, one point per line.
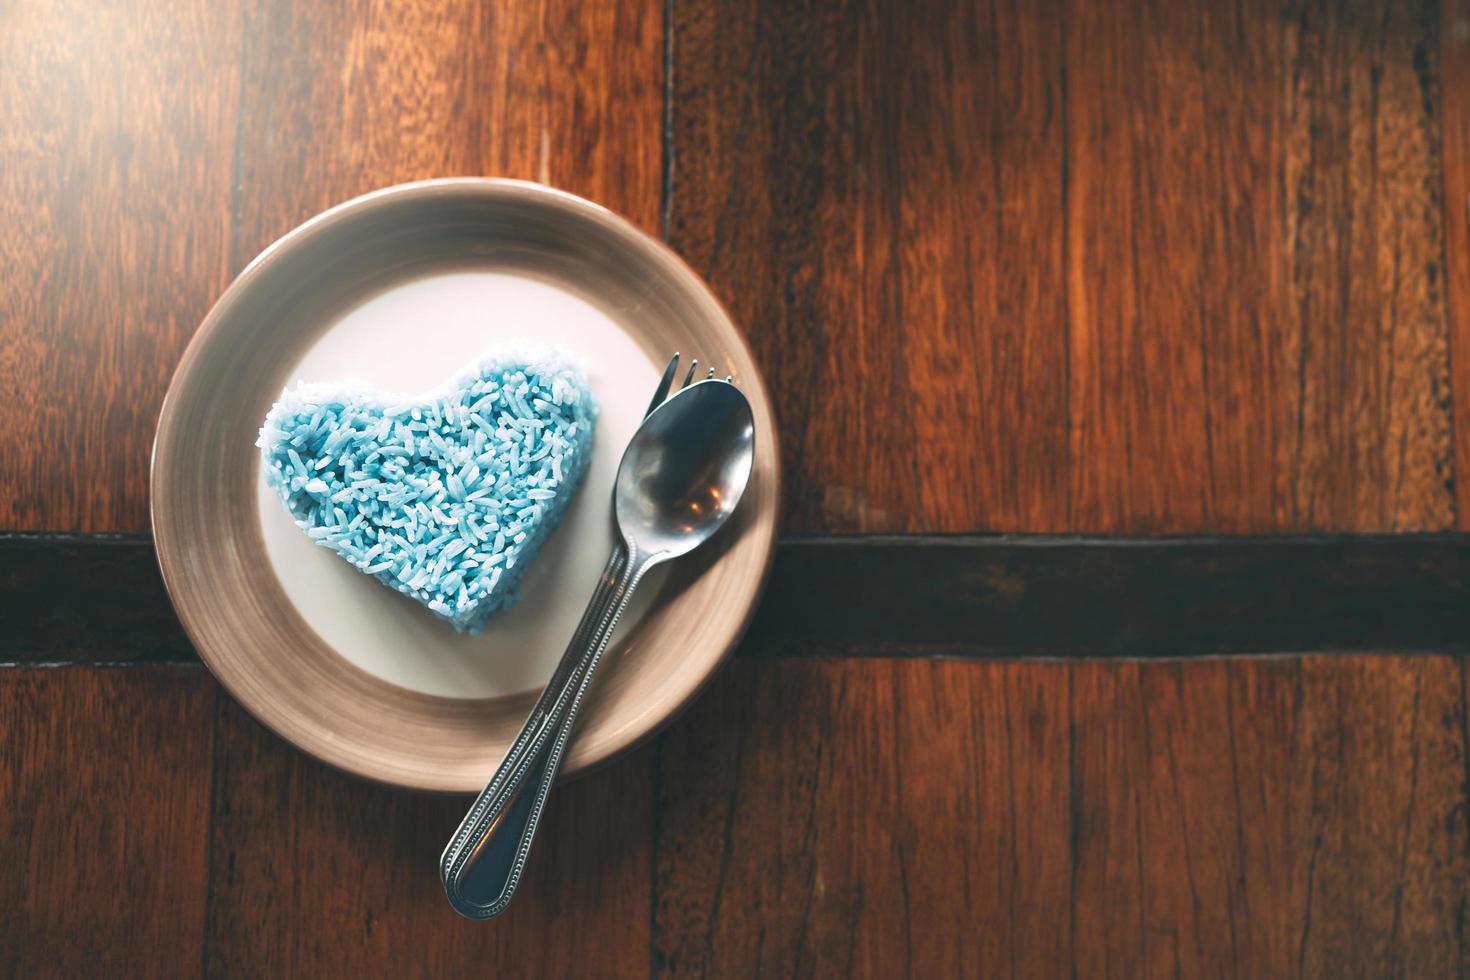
680	479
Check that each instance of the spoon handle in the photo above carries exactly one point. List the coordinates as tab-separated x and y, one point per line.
482	865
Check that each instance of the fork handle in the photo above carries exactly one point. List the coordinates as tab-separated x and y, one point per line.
482	865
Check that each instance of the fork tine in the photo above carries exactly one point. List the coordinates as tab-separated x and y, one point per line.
662	391
693	363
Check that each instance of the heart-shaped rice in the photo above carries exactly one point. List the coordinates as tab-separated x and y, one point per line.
446	497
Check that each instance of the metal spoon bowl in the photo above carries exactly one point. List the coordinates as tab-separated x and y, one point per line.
685	470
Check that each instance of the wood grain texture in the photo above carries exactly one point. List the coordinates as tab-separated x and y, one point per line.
808	817
864	184
1089	265
343	98
1216	309
1262	818
1455	118
104	831
317	874
116	146
1362	162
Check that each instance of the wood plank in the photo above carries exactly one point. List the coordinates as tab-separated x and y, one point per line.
86	599
1137	218
105	825
1455	115
1373	448
1109	597
319	874
862	184
73	599
344	98
117	128
1383	767
1102	268
1261	818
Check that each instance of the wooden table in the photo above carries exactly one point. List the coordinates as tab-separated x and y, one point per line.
1065	267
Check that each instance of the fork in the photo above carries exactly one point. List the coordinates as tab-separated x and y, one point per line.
498	851
614	569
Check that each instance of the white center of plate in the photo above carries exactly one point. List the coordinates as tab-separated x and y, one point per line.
409	338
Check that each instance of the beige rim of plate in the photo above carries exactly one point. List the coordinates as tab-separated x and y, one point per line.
204	468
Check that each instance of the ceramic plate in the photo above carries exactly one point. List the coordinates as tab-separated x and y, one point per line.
403	288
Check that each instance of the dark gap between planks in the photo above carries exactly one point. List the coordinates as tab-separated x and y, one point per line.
67	598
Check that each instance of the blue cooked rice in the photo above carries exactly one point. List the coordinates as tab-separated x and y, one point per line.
447	497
